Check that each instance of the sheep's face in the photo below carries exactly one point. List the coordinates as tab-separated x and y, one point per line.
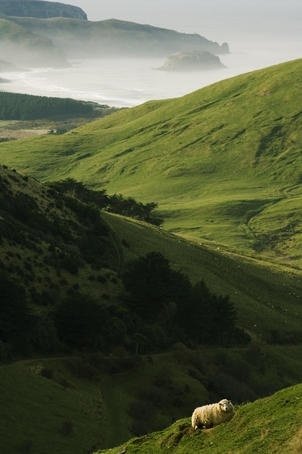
226	405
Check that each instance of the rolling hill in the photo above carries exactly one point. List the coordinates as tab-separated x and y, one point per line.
269	426
87	39
32	40
224	163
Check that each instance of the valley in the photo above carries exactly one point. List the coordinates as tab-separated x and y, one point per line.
150	229
231	184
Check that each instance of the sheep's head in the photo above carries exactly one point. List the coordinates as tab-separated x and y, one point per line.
226	405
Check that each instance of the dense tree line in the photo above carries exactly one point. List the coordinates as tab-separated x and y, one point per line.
157	307
168	308
116	203
15	106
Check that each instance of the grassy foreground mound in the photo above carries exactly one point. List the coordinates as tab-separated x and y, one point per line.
223	163
76	405
268	426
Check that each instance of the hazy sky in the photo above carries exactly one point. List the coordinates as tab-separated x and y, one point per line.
217	19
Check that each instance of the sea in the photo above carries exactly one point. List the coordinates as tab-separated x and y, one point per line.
126	82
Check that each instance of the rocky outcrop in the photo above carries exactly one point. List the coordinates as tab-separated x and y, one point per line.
192	61
40	9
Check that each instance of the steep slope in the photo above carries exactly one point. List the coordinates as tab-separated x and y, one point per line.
269	426
42	9
267	297
66	405
74	405
224	163
82	39
53	246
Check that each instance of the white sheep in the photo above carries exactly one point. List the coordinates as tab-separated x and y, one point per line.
209	416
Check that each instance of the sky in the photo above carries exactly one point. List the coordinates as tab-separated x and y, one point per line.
222	20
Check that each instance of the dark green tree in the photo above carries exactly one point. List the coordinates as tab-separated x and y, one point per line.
152	285
15	318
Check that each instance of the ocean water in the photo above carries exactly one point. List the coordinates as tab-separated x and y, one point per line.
129	82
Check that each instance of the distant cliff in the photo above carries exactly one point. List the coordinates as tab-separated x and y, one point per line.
82	39
40	9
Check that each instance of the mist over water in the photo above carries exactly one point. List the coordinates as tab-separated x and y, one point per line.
128	82
260	34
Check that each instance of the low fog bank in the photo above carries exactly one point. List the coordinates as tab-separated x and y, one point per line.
83	39
127	82
259	35
18	56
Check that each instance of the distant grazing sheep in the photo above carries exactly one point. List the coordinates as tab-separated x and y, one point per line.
212	415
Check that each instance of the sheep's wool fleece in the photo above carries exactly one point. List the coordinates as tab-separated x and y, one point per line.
212	415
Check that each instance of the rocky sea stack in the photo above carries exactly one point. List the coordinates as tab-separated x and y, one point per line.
192	61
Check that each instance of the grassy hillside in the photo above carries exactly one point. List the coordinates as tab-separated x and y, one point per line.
69	405
271	425
73	405
267	296
66	398
50	245
223	162
115	37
